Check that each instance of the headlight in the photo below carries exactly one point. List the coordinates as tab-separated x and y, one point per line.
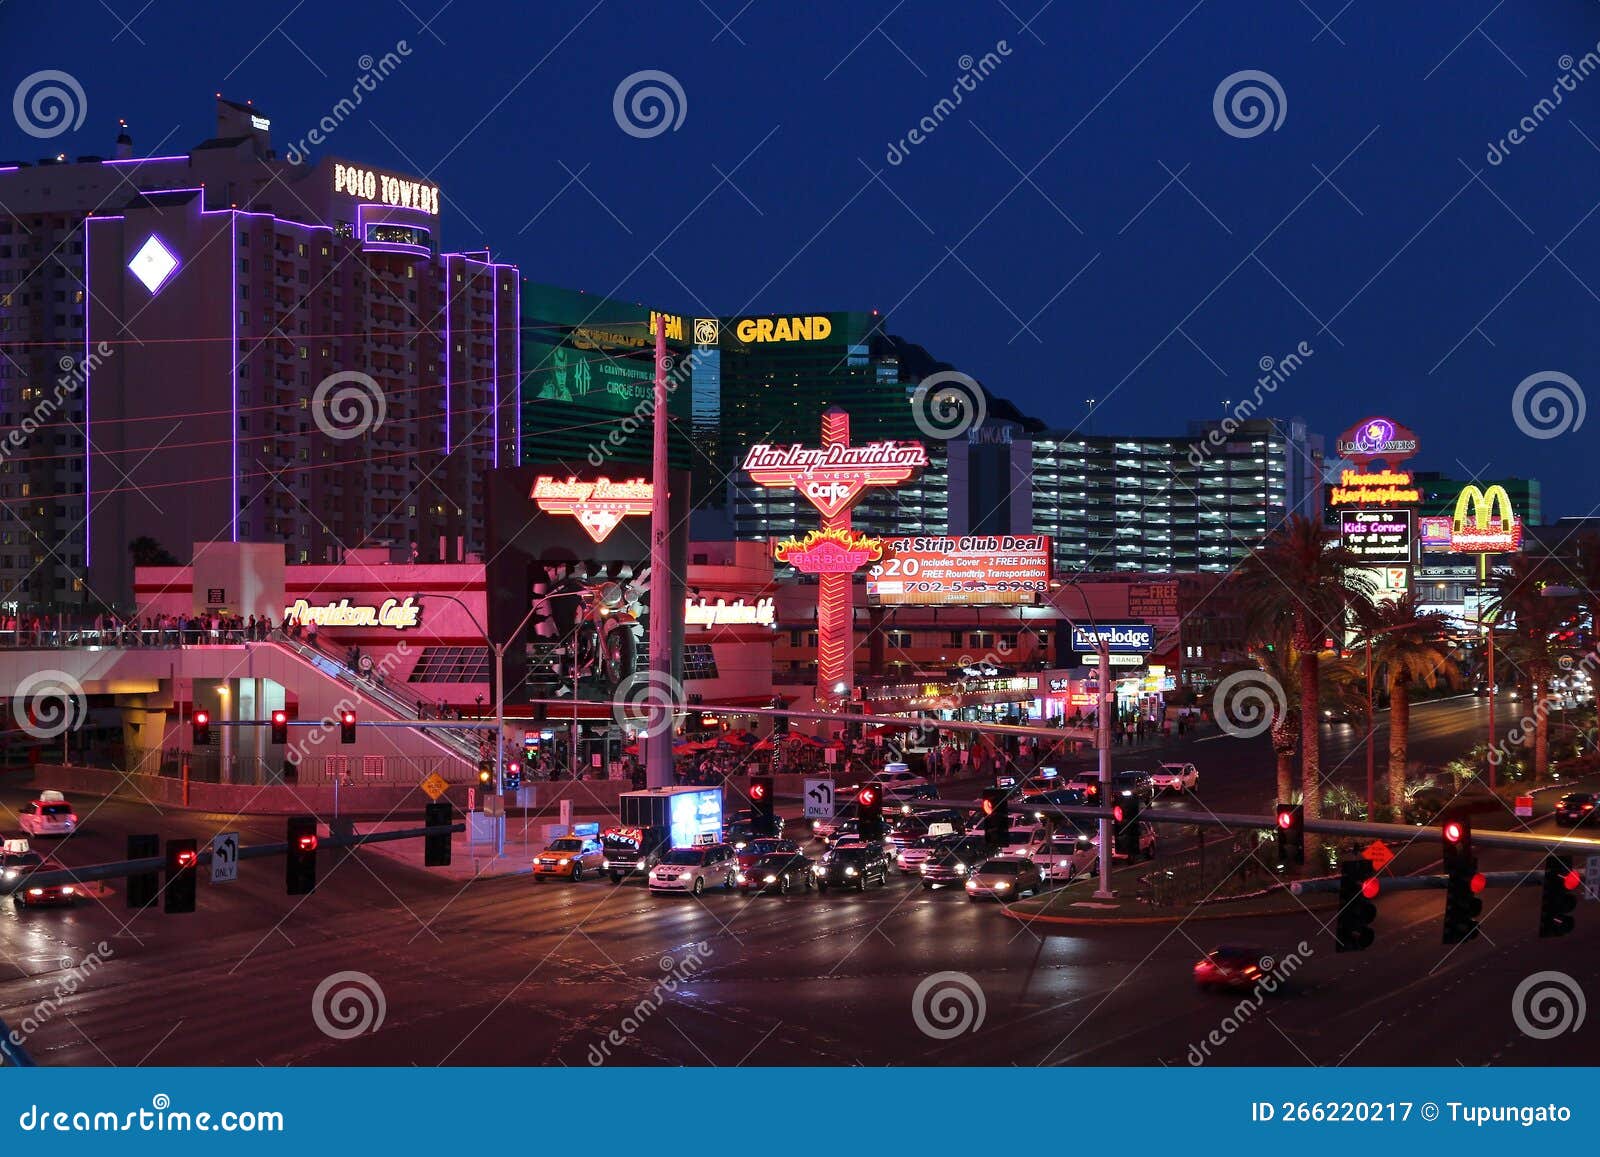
565	861
1001	886
924	867
1063	863
743	879
850	871
972	883
68	890
769	879
36	891
12	873
961	869
815	824
604	864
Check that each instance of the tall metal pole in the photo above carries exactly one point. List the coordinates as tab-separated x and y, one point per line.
1488	628
499	742
1371	786
658	742
1107	700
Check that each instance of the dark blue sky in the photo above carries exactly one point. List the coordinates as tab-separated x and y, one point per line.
1427	281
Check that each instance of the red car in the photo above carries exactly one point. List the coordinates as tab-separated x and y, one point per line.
764	846
1232	966
17	863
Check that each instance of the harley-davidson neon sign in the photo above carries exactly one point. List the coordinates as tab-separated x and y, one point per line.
833	477
598	505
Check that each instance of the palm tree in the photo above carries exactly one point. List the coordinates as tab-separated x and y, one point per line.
1519	595
1586	572
1277	658
1296	578
1409	645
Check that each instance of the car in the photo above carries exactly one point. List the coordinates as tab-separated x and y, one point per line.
49	815
1086	782
1005	877
1061	797
749	853
1090	829
781	872
899	782
630	851
694	869
853	865
1231	966
742	829
825	829
569	857
18	861
1023	832
1575	808
1139	783
910	857
951	862
1066	855
1482	690
1339	715
1175	777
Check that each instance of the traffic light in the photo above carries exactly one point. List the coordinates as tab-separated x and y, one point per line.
1357	889
485	773
1559	898
761	804
183	868
347	727
1462	882
1125	818
1291	834
869	811
436	848
280	727
996	815
143	886
202	728
513	775
300	862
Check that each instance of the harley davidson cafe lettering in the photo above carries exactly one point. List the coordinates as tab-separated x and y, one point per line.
394	614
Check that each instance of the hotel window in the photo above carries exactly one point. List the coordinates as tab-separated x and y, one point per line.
244	265
244	238
301	249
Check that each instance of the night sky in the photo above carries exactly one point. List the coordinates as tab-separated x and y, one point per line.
1079	227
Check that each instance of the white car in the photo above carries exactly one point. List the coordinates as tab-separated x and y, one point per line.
695	869
1175	777
1065	856
899	782
49	815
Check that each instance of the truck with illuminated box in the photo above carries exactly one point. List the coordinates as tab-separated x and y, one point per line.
652	822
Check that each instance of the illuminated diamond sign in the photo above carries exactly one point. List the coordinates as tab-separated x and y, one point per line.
153	264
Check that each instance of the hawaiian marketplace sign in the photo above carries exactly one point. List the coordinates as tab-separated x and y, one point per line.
833	477
1378	488
598	505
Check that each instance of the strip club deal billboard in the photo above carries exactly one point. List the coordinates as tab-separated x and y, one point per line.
967	570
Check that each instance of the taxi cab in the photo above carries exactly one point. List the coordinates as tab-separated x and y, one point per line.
49	815
569	858
17	862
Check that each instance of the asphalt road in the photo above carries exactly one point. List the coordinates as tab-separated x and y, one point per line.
506	972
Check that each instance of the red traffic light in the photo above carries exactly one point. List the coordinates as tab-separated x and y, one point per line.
186	859
758	791
348	718
868	797
280	717
1453	831
988	807
1116	813
1479	882
201	718
1286	820
1572	881
307	843
1370	887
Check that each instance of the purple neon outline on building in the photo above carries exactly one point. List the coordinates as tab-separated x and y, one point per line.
88	442
448	295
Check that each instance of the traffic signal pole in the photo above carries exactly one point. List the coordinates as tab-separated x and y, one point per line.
1103	739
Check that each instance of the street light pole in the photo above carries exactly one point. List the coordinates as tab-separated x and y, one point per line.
658	739
1106	698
